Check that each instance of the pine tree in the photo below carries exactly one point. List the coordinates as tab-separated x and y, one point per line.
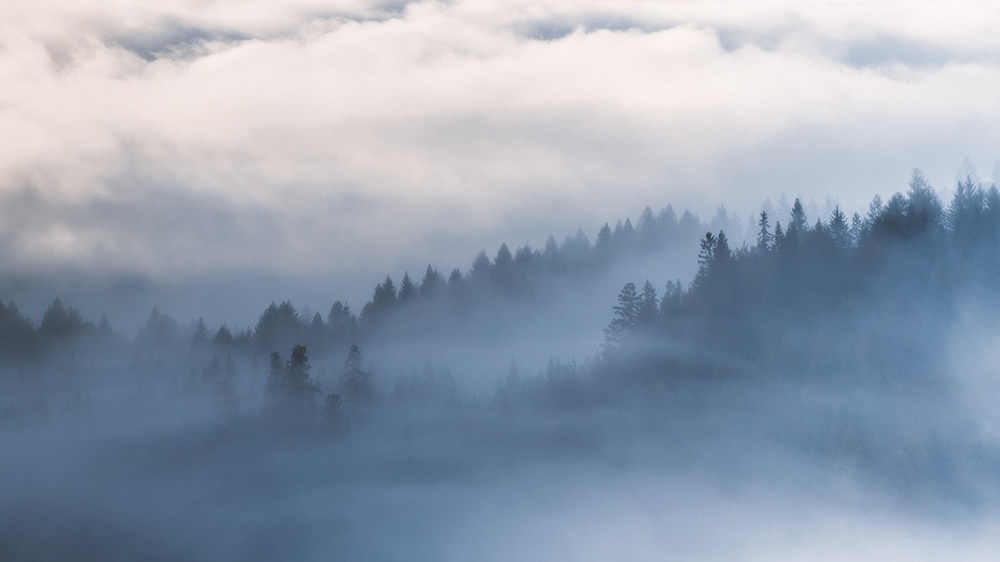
764	237
779	236
432	284
706	259
626	314
839	231
797	225
722	254
299	386
648	305
407	290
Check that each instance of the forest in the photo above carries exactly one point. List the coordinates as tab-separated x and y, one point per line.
837	358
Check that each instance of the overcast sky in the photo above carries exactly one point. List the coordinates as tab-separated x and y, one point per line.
340	140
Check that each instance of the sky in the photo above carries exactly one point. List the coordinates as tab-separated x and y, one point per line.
333	142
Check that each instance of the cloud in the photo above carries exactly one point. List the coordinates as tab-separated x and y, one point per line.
319	137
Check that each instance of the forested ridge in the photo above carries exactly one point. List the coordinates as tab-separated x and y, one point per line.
836	298
838	359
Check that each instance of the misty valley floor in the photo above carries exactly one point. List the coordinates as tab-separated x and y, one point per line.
641	480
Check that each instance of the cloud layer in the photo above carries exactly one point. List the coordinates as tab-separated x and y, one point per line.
340	139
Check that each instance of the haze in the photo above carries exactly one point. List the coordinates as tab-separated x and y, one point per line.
483	280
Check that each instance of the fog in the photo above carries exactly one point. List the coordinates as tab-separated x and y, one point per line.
377	280
820	392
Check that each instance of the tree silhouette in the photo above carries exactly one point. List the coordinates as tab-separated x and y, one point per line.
432	284
839	231
764	237
407	290
289	386
648	306
626	314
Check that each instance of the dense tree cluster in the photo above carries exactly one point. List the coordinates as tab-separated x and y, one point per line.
844	295
873	293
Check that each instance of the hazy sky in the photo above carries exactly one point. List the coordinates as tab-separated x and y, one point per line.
347	139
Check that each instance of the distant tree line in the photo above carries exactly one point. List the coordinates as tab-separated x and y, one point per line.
844	297
840	297
436	302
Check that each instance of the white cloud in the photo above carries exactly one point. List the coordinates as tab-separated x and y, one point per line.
377	133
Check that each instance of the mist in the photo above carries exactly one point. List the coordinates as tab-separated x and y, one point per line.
819	391
548	280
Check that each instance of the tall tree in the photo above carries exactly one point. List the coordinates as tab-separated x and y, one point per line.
797	224
648	305
626	314
289	385
432	283
706	259
764	237
923	210
407	290
299	385
839	230
779	236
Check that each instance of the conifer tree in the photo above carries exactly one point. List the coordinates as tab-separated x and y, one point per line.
626	314
839	231
764	237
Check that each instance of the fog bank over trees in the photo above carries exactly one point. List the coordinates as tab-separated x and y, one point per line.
664	390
